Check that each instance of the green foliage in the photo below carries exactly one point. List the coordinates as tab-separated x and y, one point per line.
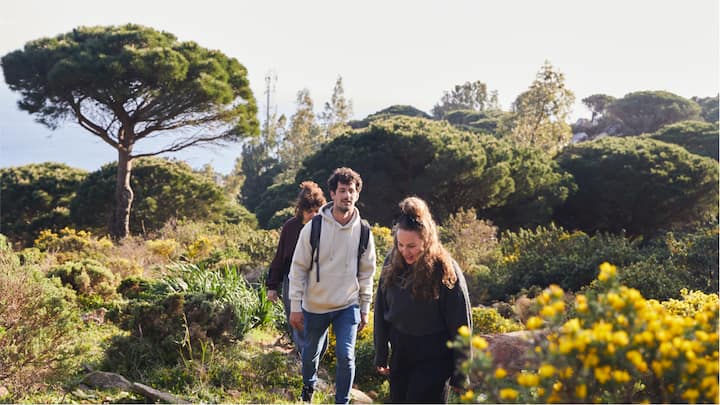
485	122
445	167
539	114
36	197
467	96
38	323
163	190
598	103
406	110
710	109
87	277
637	185
551	255
70	244
488	320
538	186
647	111
700	138
276	198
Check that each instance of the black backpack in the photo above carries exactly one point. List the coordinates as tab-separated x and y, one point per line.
315	229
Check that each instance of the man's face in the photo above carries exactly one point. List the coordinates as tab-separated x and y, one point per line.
345	197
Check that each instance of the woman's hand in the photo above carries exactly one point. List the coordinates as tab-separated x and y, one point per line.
383	370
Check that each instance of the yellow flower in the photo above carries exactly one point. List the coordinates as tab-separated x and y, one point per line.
464	331
479	343
508	393
528	379
621	376
534	322
607	271
581	391
468	396
546	371
500	373
691	395
602	374
557	386
572	325
620	338
567	373
548	311
637	360
558	306
581	303
556	291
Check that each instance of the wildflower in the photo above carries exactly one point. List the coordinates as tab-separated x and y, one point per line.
479	343
528	379
468	396
508	393
464	331
620	338
581	303
581	391
621	376
567	373
602	374
548	311
691	395
534	323
546	371
607	271
556	291
500	373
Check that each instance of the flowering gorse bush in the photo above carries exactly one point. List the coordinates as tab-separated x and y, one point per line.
618	347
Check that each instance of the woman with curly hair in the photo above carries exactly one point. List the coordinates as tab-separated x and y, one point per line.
421	302
308	202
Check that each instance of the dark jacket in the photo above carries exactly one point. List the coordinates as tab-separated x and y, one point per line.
395	307
280	265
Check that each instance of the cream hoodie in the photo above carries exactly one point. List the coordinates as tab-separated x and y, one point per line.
340	285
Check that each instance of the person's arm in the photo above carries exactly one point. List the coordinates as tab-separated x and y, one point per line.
457	313
365	280
381	328
275	273
299	269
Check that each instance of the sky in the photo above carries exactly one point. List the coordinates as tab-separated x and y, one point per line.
387	52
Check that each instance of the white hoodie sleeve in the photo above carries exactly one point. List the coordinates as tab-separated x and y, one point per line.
299	268
365	276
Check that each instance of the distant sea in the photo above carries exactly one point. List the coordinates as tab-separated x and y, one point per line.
24	141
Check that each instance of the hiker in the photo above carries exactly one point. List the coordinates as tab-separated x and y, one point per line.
422	300
332	282
307	204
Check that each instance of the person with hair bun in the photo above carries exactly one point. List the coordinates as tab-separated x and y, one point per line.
308	202
421	302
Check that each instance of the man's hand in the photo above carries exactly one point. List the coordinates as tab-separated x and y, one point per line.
272	295
363	321
297	321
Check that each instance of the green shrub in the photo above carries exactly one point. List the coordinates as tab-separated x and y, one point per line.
88	277
488	320
552	255
38	323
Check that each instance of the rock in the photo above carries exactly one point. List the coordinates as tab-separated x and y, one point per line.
510	350
4	392
97	316
359	397
155	395
104	380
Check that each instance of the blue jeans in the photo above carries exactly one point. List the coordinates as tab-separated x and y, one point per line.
345	323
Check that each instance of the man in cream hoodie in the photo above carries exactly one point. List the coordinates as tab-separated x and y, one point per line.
332	289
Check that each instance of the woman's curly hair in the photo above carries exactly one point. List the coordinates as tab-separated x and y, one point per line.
310	198
434	265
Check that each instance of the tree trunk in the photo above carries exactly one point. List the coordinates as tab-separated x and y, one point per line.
120	227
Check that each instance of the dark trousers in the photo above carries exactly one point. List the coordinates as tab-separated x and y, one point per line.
420	367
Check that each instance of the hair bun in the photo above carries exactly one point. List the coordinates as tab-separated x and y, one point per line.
415	208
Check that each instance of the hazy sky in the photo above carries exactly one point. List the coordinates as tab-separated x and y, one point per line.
388	52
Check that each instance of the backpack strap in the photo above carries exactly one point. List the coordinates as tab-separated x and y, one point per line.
315	229
364	240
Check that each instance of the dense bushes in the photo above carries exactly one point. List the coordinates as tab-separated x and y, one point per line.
38	323
637	185
163	190
618	348
36	197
